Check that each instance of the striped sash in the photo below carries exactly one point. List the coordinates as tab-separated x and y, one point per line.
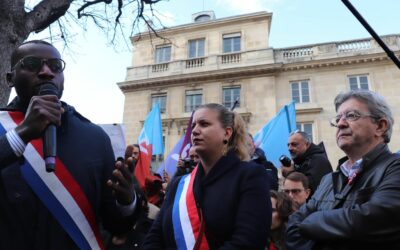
58	190
186	219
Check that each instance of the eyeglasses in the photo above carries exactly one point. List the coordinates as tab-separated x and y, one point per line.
34	64
349	116
293	191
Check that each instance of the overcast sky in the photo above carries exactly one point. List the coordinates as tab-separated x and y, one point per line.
94	69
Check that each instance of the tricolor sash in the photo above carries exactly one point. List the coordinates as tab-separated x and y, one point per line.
58	190
186	218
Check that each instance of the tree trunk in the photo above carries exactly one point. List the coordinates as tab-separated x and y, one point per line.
9	40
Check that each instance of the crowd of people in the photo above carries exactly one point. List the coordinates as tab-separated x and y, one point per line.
226	195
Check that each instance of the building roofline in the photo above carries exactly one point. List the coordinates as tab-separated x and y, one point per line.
333	42
213	22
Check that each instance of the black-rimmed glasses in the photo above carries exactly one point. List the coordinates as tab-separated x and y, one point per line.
34	64
349	116
293	191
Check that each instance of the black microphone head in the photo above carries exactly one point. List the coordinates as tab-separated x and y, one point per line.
48	88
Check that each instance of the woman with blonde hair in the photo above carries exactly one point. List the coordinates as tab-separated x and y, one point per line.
224	203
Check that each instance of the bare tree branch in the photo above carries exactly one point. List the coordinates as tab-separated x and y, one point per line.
45	13
87	4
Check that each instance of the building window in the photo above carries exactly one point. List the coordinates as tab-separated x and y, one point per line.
306	127
163	54
230	95
193	99
196	48
202	18
157	160
300	91
160	98
231	43
358	82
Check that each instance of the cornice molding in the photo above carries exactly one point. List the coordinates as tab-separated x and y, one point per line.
213	75
301	111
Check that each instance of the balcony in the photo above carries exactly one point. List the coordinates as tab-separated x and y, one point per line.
195	62
335	49
159	67
298	52
230	58
353	46
202	64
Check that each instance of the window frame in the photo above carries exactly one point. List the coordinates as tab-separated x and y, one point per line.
301	95
163	109
231	37
358	79
161	59
231	89
192	106
196	41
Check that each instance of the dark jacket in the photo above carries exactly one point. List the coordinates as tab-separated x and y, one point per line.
360	215
314	164
260	158
234	198
85	150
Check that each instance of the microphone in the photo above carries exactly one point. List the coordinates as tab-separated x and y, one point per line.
50	134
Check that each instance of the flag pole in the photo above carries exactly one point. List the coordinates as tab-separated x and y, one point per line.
371	31
235	104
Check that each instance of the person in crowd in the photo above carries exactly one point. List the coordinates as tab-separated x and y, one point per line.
307	158
186	166
282	207
296	186
257	155
224	202
357	206
132	152
135	237
61	209
154	190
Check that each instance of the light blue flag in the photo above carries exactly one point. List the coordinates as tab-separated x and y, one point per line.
153	130
171	161
273	137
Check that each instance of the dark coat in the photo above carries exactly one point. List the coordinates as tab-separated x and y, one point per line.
85	149
314	164
260	158
234	198
363	215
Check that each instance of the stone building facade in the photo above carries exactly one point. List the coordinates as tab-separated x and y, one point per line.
221	60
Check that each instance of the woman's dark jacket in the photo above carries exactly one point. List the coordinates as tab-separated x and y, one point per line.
234	198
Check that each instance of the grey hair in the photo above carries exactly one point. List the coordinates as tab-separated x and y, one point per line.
376	105
304	135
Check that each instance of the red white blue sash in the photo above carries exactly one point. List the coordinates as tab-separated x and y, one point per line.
185	216
58	190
